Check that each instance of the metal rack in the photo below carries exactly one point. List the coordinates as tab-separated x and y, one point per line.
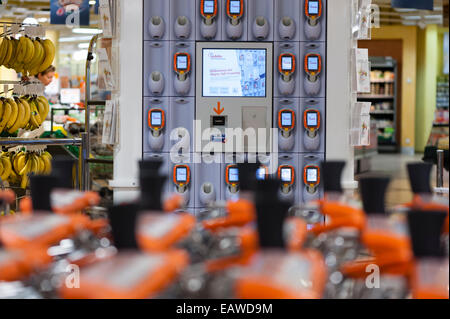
88	104
80	142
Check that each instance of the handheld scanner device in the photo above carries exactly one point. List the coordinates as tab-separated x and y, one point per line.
311	177
128	275
181	177
313	11
41	230
244	245
182	65
313	66
161	232
72	201
311	122
16	265
286	121
262	172
232	178
156	121
235	10
286	173
286	66
208	10
238	213
268	275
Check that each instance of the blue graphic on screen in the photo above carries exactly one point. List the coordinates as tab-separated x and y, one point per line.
234	73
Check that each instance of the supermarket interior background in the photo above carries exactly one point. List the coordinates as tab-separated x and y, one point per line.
107	92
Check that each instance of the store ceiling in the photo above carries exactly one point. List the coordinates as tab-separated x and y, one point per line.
390	16
20	9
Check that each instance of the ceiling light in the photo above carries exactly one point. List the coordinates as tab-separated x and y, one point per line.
404	10
74	39
435	16
409	22
92	2
412	17
30	20
42	20
86	31
80	55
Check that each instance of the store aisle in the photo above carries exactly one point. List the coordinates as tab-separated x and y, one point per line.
394	165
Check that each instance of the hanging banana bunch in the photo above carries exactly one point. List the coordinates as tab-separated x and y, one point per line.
25	112
27	56
16	167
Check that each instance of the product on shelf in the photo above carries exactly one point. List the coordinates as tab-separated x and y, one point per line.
22	113
26	55
15	167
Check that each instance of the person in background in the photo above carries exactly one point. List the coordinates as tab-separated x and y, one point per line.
46	76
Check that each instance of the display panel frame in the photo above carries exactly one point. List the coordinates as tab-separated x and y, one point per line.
266	88
239	111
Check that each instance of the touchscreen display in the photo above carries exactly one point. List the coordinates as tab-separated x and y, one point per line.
286	63
208	7
311	175
286	175
182	62
311	119
235	7
182	174
233	175
313	63
261	174
234	72
156	118
313	7
286	119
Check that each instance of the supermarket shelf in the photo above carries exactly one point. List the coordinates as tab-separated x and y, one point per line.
440	124
376	97
41	141
382	112
387	148
382	81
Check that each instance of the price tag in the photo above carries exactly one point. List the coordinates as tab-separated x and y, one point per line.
39	31
29	30
15	28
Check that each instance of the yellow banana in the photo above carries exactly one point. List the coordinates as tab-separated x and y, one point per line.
41	110
49	55
24	181
1	168
37	58
14	44
3	50
21	49
47	164
7	167
37	64
9	51
14	112
27	167
30	50
6	115
44	101
2	109
35	119
27	109
21	161
20	117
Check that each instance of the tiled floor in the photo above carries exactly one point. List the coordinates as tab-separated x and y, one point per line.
394	165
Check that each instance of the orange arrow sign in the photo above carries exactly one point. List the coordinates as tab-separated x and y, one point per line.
218	109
